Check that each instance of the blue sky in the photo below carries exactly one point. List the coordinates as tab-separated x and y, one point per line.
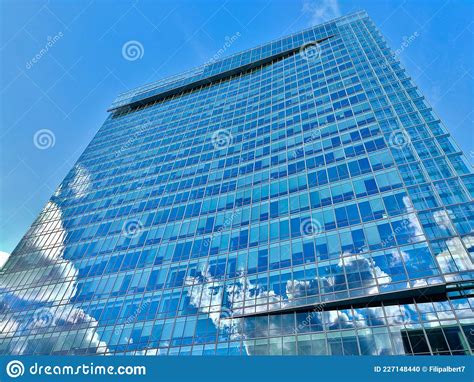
66	90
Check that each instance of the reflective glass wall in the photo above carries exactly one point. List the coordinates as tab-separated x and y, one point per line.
297	198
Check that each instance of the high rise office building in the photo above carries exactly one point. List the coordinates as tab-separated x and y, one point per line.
300	197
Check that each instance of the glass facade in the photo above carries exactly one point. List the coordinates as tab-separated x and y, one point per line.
297	198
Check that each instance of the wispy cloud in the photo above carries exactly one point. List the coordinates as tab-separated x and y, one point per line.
3	258
320	11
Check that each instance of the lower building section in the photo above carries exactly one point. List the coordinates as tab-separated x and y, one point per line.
436	328
436	320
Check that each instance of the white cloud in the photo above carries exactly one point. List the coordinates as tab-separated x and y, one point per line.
41	267
396	258
60	318
366	270
7	325
244	297
455	258
81	183
441	218
3	258
207	296
50	279
414	224
320	11
297	288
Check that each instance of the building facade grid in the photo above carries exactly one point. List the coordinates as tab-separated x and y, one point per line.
313	204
